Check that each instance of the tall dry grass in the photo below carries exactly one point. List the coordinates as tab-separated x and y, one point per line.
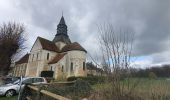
145	90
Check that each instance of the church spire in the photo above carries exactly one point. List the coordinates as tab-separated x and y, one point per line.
62	27
62	32
62	21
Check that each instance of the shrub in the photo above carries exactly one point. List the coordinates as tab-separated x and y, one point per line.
72	78
152	75
81	88
90	79
77	91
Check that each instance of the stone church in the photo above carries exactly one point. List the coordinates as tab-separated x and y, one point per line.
60	55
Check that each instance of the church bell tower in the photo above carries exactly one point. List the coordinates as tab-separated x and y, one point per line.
62	35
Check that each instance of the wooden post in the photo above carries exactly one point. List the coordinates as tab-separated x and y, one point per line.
38	92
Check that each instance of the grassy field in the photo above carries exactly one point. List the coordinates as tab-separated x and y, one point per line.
10	98
154	89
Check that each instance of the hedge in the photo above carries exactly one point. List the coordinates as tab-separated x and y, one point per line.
90	79
79	90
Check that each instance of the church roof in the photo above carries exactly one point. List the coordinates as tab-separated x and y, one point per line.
73	46
48	45
24	59
57	58
62	38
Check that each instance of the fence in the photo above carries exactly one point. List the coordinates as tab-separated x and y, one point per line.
36	92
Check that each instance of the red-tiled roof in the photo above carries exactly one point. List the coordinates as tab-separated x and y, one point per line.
57	58
24	59
73	46
48	45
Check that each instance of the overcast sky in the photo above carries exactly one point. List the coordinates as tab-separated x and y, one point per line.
149	20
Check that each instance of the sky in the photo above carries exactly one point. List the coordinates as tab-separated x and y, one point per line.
149	20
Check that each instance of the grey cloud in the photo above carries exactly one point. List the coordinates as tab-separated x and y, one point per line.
161	57
149	19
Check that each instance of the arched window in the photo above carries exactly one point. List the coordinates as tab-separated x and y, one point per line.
71	67
48	56
84	66
37	56
32	57
62	69
51	68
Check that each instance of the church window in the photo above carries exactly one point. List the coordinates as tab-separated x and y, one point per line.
84	67
32	57
37	56
71	68
62	69
51	68
48	56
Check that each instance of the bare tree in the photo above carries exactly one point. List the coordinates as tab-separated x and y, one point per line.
11	42
116	47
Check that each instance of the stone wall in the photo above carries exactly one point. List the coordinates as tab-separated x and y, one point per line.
19	70
77	58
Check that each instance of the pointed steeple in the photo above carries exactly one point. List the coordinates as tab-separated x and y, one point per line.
62	21
62	27
62	32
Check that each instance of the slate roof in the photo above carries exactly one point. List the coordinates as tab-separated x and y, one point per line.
63	38
24	59
48	45
73	46
57	58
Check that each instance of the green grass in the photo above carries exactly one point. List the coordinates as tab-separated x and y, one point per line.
9	98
